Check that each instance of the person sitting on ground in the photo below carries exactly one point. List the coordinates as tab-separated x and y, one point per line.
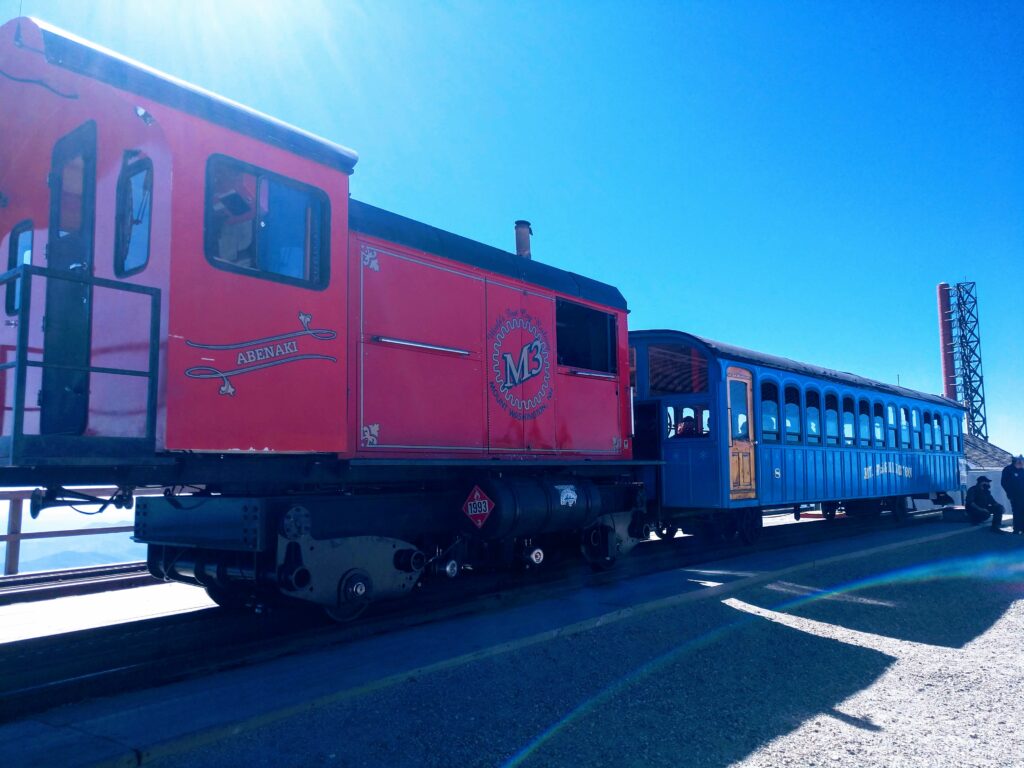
980	505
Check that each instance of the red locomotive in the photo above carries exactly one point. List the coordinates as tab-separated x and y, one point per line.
350	398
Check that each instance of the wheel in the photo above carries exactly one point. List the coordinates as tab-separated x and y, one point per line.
599	547
355	593
828	511
228	599
750	525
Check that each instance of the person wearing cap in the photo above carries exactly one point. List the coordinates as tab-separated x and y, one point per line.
1013	483
980	505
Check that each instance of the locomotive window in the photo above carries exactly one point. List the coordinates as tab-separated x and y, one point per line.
70	212
890	427
265	225
586	337
676	369
687	421
915	423
904	428
879	426
134	204
848	421
945	431
813	417
19	252
793	430
769	412
927	431
738	408
863	423
831	420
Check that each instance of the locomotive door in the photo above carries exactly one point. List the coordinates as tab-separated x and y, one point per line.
64	400
742	482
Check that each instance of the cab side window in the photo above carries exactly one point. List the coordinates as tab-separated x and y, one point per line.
134	205
265	225
586	338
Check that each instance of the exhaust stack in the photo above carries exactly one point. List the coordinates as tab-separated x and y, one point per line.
523	232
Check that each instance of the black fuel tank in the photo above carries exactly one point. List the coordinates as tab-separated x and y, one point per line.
522	507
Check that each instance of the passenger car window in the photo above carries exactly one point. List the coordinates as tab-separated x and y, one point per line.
769	412
265	225
813	417
19	252
738	408
863	423
915	424
133	225
904	428
687	421
879	425
831	420
927	430
793	425
890	426
676	369
848	421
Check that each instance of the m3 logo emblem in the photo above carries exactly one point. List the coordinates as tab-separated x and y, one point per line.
530	364
520	379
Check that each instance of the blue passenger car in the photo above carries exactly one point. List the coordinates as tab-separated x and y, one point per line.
740	431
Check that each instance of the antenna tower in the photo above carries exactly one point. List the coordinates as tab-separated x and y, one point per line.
961	339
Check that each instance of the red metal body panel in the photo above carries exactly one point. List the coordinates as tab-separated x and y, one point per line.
59	102
454	361
401	354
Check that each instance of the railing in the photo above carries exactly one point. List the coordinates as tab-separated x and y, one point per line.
20	447
15	536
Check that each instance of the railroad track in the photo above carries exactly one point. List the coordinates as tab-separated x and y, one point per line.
42	673
46	585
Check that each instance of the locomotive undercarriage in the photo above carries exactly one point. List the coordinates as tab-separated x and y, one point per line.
348	547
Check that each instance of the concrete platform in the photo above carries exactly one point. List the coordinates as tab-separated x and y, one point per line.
514	675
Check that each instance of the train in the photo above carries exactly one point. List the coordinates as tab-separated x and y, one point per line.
338	403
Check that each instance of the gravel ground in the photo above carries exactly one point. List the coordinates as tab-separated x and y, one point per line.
915	660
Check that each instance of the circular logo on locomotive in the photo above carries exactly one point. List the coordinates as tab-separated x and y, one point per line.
520	364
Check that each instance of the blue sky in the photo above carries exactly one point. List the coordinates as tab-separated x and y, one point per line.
794	178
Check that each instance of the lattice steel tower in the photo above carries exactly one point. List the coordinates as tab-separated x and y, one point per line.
960	341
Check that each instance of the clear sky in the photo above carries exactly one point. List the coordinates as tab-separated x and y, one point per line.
790	177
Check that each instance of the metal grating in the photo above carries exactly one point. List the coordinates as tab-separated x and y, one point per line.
966	341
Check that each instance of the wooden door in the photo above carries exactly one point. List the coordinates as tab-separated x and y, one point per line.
742	475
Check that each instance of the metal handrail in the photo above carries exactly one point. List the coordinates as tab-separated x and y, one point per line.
15	536
21	363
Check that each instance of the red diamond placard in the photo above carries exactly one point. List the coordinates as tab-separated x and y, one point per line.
478	507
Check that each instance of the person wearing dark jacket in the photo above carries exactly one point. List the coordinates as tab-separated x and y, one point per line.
1013	483
980	505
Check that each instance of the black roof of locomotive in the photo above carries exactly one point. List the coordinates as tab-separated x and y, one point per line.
66	50
377	222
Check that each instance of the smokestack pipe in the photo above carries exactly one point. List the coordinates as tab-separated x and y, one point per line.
946	342
523	232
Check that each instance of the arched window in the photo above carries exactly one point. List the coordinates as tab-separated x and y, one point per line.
937	431
958	444
890	426
848	421
879	426
915	426
927	417
793	420
904	428
945	432
831	420
813	417
769	412
863	423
